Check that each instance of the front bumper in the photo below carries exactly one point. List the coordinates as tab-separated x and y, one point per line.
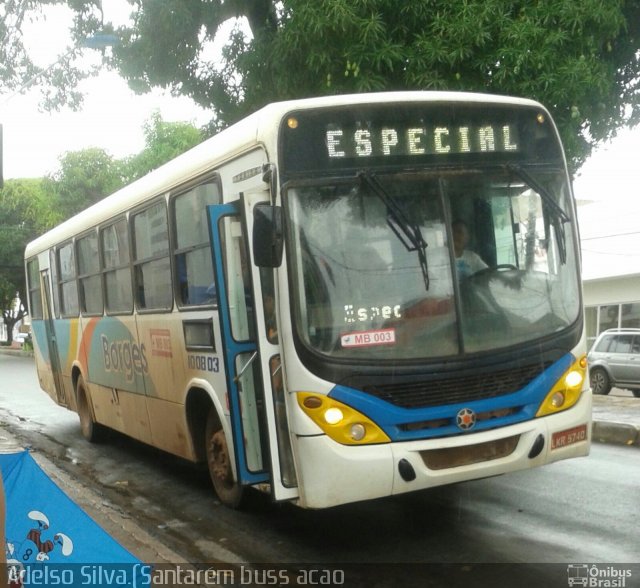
332	474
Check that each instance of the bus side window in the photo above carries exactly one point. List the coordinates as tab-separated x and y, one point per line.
192	254
89	278
151	258
114	245
35	293
269	303
53	264
69	306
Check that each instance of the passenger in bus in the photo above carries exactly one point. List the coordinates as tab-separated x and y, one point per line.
467	262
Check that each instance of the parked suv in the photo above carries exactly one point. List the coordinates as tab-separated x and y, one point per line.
614	360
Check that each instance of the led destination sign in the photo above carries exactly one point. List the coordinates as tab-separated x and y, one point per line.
408	134
414	140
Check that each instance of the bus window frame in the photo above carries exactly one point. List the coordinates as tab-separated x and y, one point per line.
80	277
60	281
34	285
135	263
53	279
129	265
211	177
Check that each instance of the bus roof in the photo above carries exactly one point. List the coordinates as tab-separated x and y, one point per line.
256	129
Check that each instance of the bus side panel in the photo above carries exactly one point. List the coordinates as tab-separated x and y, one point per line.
114	357
122	411
68	334
43	361
165	381
171	368
114	366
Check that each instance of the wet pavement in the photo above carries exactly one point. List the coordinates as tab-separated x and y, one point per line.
616	419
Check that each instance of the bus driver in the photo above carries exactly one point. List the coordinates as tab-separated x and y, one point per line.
467	262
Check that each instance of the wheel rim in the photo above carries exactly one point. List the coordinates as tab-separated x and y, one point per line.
598	381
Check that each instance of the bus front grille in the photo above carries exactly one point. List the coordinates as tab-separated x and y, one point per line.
456	389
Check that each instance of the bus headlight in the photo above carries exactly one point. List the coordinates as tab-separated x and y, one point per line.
333	415
340	422
567	389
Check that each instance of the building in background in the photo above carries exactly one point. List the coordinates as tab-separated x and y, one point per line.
610	236
611	302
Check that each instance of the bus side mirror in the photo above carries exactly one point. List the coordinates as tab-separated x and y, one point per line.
268	238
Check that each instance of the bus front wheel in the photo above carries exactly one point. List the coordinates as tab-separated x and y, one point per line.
228	490
91	431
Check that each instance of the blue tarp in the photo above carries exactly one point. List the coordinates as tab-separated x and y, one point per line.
51	540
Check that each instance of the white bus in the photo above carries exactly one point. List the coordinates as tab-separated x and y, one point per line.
290	301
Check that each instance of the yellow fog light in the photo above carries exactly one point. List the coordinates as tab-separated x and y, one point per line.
566	391
340	422
333	416
358	431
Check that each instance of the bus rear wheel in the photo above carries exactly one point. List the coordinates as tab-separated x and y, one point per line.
91	431
229	492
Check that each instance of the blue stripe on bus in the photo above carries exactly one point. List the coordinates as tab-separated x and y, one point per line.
391	419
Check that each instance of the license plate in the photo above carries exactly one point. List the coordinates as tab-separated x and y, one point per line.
569	437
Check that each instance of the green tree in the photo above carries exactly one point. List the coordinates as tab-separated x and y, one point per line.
25	212
87	176
84	178
578	58
61	78
163	141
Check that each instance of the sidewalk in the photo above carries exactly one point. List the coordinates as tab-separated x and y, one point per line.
616	419
113	519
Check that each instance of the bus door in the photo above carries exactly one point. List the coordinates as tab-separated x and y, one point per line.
52	341
247	351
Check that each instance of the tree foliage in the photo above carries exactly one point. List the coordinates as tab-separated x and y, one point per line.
25	211
30	207
163	141
59	80
89	175
84	178
580	59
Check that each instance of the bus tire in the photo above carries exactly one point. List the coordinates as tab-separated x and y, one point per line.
229	492
91	431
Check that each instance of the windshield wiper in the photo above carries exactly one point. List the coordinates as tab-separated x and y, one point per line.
558	216
409	234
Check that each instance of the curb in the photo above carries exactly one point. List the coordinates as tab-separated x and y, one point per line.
113	520
15	352
616	433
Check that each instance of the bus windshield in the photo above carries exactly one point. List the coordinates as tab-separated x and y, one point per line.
489	265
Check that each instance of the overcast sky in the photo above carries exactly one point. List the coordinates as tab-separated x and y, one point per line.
112	118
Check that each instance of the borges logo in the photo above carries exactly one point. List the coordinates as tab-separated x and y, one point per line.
124	357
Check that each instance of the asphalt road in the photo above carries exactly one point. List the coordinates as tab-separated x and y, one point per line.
582	510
